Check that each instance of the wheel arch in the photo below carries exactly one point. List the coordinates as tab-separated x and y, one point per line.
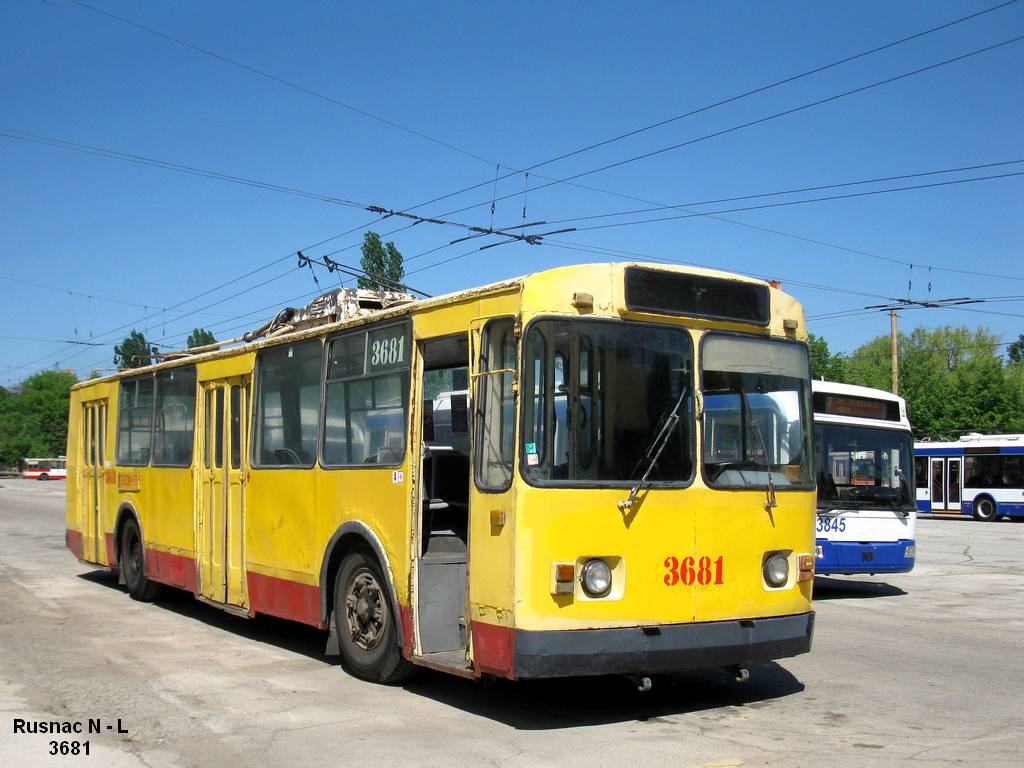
126	512
352	535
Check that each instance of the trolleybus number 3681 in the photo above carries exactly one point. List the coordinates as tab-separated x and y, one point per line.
690	570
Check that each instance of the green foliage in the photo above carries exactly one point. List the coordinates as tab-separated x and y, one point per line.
1015	352
825	365
34	419
383	261
133	352
200	337
952	378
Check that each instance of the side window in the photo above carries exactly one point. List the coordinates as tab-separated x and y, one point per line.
288	407
367	397
496	406
134	422
175	415
921	471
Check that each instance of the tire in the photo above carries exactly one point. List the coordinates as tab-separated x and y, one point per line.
365	622
985	509
132	562
44	476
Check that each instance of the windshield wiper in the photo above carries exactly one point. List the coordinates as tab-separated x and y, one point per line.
656	447
770	503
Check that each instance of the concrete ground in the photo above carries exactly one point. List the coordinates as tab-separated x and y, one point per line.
923	668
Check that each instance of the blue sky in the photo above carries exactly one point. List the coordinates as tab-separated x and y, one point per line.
514	84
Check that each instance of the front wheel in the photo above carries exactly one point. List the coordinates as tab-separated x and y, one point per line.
365	622
985	509
44	476
132	559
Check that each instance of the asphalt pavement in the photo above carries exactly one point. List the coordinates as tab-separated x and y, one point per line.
924	668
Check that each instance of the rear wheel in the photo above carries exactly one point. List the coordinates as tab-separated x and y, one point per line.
44	476
132	559
985	509
365	622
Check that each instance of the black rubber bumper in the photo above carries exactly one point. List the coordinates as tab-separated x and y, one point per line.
660	649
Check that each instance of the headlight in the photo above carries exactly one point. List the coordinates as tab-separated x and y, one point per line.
776	570
596	578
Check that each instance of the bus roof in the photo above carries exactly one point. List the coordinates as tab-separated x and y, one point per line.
973	440
546	282
897	416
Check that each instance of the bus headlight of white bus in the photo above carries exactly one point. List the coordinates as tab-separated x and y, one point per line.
596	578
776	569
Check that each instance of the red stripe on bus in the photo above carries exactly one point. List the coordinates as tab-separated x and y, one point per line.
493	646
405	615
111	550
73	541
175	570
285	599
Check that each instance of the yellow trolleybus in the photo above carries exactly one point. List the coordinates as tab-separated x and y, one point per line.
589	470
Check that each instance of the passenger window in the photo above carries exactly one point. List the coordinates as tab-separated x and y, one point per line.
288	408
134	422
175	417
367	397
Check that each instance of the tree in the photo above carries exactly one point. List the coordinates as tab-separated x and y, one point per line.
200	337
133	352
825	365
1015	352
34	420
952	379
381	261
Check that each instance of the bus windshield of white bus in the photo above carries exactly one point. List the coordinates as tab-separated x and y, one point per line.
863	467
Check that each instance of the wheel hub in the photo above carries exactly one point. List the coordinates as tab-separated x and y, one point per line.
365	610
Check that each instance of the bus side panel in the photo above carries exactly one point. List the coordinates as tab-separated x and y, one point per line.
167	512
379	499
281	552
72	498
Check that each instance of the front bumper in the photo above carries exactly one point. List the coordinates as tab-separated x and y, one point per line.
660	648
852	557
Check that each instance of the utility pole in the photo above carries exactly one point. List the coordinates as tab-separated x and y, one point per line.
894	348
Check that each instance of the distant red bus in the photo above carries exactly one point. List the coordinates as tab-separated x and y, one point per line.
44	469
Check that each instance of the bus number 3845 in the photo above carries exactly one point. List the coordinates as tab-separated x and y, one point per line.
690	570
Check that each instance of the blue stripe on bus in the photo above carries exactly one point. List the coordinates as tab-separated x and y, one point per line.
938	451
852	557
1012	449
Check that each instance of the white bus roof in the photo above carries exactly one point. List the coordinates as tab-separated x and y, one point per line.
854	390
977	440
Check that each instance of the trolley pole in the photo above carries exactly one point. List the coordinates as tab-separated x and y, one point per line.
894	347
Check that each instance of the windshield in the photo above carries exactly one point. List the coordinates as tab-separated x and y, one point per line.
862	467
756	412
596	395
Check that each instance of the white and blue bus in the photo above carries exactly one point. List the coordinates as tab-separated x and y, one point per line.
979	475
863	464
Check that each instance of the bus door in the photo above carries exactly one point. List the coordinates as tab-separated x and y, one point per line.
945	484
442	555
91	480
220	527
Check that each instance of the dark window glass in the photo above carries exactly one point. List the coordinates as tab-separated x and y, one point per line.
175	417
288	388
862	467
604	424
496	406
937	485
218	430
756	412
367	397
921	471
664	292
134	422
992	471
236	427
